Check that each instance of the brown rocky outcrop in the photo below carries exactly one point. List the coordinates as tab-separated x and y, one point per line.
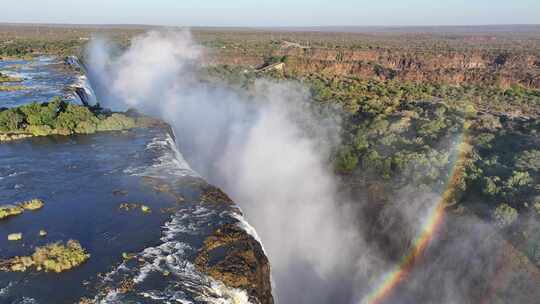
234	257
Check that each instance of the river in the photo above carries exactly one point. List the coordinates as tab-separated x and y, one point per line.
83	180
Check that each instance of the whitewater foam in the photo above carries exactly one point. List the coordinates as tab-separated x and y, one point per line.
168	161
5	290
82	82
171	259
246	226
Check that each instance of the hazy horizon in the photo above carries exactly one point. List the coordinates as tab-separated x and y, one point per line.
367	26
299	13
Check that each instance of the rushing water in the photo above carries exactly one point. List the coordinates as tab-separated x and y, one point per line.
42	78
83	180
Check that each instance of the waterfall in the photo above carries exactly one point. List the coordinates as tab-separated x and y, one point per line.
83	91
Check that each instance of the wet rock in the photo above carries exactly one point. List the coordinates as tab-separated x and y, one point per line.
214	195
145	209
162	186
128	206
234	257
135	206
5	137
128	256
120	193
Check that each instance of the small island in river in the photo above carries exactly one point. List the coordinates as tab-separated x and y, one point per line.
58	117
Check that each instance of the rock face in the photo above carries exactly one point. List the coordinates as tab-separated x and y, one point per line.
479	67
235	258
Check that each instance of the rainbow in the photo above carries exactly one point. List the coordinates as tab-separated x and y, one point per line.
429	228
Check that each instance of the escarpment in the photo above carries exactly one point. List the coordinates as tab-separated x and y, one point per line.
453	67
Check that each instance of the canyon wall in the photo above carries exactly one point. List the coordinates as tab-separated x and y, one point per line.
473	67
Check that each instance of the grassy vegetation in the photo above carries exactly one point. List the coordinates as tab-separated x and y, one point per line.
10	210
55	257
32	205
17	209
12	88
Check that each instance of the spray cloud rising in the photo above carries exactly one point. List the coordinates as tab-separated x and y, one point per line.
256	147
269	151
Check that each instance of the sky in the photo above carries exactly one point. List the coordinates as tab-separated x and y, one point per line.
273	13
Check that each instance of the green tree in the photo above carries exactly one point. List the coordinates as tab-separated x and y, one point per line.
519	179
361	142
73	115
484	140
346	161
10	120
490	185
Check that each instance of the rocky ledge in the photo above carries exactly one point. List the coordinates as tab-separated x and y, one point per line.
234	257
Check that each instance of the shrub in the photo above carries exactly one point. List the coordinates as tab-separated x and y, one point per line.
432	128
42	130
10	120
529	160
72	116
379	126
490	185
33	204
519	179
504	215
42	114
53	257
32	113
9	210
361	142
116	122
484	140
86	127
58	257
346	161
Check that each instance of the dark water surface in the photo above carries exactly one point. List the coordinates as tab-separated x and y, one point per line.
80	178
77	178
